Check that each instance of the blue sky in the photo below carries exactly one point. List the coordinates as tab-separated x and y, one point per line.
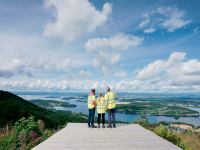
134	46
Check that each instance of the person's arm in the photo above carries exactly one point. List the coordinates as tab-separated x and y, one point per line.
106	105
93	101
106	100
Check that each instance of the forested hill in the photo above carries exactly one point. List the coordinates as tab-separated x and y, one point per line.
13	108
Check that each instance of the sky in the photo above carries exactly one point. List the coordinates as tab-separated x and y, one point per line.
130	45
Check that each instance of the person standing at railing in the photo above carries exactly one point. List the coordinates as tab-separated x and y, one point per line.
101	110
110	106
91	107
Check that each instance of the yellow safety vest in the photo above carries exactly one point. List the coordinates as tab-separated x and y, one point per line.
101	105
109	97
90	100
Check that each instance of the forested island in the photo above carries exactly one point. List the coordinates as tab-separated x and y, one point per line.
52	97
51	103
84	101
75	97
153	108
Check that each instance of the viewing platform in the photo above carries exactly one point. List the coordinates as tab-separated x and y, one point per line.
123	137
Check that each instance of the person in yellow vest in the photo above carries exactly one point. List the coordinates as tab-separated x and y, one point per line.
91	107
101	110
110	106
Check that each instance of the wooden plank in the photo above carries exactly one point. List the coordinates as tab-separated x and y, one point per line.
125	136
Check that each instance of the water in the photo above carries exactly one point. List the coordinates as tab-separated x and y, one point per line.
82	107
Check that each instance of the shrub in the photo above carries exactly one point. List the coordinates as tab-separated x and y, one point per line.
25	135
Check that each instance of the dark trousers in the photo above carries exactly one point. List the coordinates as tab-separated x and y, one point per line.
91	116
111	111
103	118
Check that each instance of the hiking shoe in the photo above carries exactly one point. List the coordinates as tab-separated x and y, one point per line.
89	126
103	126
98	126
109	126
114	126
93	126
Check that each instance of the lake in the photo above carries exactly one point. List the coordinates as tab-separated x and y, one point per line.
82	107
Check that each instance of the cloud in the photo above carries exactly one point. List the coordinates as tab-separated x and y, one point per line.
107	50
150	30
174	70
29	64
156	80
74	19
1	49
11	68
87	85
85	74
120	74
158	66
71	76
195	30
173	19
122	65
146	20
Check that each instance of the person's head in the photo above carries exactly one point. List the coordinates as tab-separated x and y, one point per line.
100	96
93	91
108	89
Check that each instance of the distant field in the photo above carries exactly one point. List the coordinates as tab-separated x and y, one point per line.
182	126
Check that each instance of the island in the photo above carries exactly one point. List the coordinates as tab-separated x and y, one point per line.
81	101
66	98
75	97
52	97
51	103
152	108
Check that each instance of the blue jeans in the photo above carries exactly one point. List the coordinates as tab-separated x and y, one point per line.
111	111
91	116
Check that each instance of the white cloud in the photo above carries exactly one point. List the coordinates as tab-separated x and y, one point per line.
107	51
120	74
81	73
11	68
195	30
150	30
1	49
88	74
72	85
71	76
158	66
174	70
173	19
122	65
156	80
30	64
85	74
146	21
74	19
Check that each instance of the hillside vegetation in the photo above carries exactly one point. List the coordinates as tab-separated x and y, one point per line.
13	108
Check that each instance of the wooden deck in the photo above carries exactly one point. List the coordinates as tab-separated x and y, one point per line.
125	136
